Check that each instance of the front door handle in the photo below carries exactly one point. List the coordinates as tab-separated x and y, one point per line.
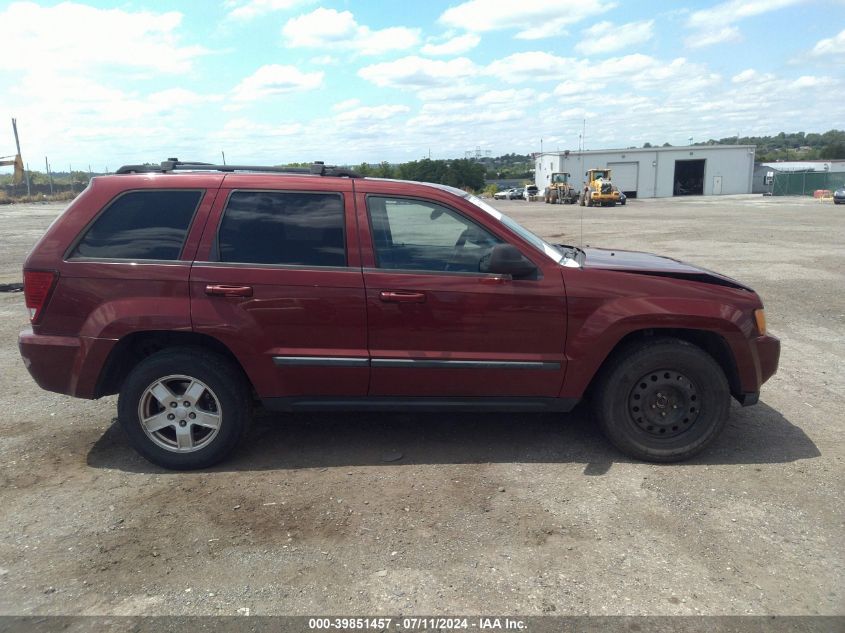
223	290
401	296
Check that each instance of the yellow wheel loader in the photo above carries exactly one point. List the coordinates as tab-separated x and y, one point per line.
560	190
598	190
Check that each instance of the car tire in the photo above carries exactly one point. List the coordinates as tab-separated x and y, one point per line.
196	404
662	401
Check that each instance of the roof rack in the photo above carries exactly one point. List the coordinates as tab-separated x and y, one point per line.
317	168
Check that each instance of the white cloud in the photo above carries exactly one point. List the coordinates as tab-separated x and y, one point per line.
831	46
529	66
324	60
715	24
249	9
332	29
70	36
347	104
535	19
275	79
453	46
418	72
704	38
371	113
734	11
606	37
749	74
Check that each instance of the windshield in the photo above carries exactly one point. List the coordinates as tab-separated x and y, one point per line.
540	244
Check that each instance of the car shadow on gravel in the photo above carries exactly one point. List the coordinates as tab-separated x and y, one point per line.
756	435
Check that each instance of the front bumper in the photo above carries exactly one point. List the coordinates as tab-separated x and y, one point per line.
64	364
768	356
765	355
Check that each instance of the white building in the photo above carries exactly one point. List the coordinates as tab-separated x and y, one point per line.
659	172
831	166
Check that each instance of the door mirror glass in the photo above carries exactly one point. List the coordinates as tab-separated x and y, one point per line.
506	259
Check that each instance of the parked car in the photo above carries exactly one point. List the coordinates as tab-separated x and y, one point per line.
839	195
530	191
503	195
515	194
196	292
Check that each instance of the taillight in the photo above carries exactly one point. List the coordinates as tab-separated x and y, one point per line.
37	285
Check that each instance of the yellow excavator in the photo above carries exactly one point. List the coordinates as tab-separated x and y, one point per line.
599	189
560	190
15	160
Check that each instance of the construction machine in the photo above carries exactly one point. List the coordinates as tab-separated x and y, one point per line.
599	189
560	190
17	162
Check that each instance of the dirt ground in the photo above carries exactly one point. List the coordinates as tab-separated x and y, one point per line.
482	513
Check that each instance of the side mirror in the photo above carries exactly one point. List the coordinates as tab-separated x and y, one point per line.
505	259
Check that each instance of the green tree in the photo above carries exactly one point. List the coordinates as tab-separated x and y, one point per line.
832	151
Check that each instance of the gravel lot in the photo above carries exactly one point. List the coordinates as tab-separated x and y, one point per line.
493	513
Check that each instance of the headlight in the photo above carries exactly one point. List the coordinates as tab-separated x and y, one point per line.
760	318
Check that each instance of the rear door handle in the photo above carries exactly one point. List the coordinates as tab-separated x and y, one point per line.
401	296
222	290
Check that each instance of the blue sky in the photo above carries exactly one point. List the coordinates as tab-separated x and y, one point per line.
273	81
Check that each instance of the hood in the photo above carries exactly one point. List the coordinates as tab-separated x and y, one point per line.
654	265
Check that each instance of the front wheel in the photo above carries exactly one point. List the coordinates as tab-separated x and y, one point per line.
662	401
184	408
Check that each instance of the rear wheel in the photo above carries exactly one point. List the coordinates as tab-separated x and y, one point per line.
184	408
662	401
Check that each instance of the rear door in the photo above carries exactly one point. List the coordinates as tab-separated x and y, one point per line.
278	280
437	325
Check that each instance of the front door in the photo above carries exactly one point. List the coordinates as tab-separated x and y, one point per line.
440	327
279	282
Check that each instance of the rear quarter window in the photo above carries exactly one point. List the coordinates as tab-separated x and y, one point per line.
141	225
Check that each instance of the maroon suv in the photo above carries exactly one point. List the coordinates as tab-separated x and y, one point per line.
195	291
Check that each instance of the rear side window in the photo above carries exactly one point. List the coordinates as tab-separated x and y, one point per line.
275	227
141	225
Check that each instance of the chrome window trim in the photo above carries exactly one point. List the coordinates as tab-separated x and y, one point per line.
452	273
291	267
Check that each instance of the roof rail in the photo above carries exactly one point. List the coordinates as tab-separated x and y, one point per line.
317	168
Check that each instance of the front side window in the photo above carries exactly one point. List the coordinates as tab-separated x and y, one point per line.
419	235
280	227
141	225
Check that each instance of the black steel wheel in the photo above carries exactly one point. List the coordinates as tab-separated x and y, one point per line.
664	403
661	400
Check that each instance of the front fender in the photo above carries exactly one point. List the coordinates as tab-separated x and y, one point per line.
598	323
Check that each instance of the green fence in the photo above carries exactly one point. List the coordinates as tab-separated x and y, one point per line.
804	183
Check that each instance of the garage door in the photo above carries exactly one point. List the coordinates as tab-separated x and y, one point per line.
625	177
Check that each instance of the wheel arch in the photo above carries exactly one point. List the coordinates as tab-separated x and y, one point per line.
133	348
713	343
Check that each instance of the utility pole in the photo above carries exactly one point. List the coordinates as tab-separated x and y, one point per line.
49	175
223	154
584	135
18	146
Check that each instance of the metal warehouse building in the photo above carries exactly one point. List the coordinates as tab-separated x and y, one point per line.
659	172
